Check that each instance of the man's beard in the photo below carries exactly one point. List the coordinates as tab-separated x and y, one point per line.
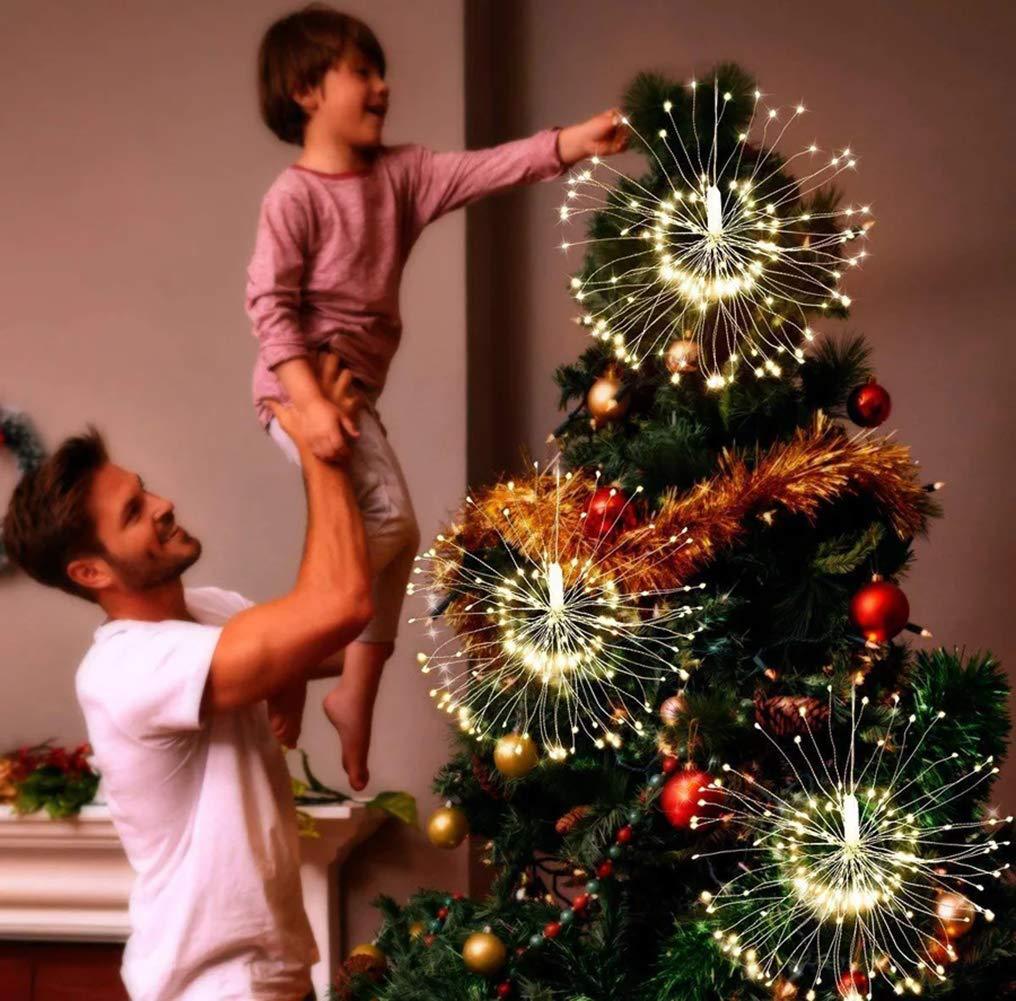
146	576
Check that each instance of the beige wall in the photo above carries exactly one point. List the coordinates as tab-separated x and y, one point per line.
920	90
133	163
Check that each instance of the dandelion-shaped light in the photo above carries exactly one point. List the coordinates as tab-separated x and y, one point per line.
720	244
843	873
546	641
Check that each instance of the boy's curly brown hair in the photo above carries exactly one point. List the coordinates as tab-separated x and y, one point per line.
296	53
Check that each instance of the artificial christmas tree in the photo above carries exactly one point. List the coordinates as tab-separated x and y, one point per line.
706	759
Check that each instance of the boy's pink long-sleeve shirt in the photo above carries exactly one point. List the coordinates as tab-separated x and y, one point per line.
330	249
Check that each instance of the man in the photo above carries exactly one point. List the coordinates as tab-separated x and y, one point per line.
174	692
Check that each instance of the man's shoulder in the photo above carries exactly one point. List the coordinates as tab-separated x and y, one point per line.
122	639
214	606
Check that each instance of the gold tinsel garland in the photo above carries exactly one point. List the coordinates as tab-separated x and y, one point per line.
818	465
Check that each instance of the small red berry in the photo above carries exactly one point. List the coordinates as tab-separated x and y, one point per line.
581	902
442	913
605	869
624	835
669	765
504	990
552	929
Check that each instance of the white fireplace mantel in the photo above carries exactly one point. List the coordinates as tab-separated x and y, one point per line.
69	879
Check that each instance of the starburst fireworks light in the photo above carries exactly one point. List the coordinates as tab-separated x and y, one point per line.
547	643
843	874
726	249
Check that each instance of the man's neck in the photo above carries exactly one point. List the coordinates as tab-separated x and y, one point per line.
329	155
166	601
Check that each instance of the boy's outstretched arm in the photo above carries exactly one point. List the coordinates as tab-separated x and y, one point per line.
442	182
277	644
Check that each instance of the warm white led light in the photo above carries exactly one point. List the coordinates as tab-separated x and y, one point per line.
547	645
844	871
730	254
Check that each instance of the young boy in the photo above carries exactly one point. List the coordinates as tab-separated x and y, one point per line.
335	230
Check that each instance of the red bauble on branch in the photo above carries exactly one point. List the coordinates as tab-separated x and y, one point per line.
880	610
853	985
682	795
869	405
609	511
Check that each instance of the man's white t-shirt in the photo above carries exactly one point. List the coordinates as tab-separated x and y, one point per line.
205	812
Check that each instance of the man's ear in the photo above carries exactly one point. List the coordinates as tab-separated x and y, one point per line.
90	572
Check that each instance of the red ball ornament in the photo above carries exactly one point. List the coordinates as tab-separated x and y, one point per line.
552	929
581	902
608	512
669	765
624	835
504	990
869	405
880	610
852	985
682	794
605	869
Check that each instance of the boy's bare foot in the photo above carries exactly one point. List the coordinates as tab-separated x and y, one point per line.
353	724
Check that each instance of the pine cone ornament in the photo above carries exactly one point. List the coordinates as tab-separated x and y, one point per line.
485	779
566	824
354	969
789	715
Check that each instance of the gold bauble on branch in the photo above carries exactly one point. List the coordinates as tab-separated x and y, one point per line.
784	989
370	951
417	929
515	755
955	912
447	828
484	953
603	401
682	357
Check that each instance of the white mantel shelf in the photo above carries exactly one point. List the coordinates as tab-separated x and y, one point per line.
69	880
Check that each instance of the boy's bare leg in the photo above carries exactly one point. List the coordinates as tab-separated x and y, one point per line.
350	705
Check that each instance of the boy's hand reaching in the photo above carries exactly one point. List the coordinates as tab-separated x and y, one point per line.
602	135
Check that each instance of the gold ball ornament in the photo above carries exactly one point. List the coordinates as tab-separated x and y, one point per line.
682	357
602	400
417	929
484	953
447	828
377	958
955	912
515	755
784	989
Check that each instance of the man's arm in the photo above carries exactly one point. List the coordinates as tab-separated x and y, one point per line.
276	644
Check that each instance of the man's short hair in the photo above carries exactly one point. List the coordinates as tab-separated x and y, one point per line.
296	53
48	523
